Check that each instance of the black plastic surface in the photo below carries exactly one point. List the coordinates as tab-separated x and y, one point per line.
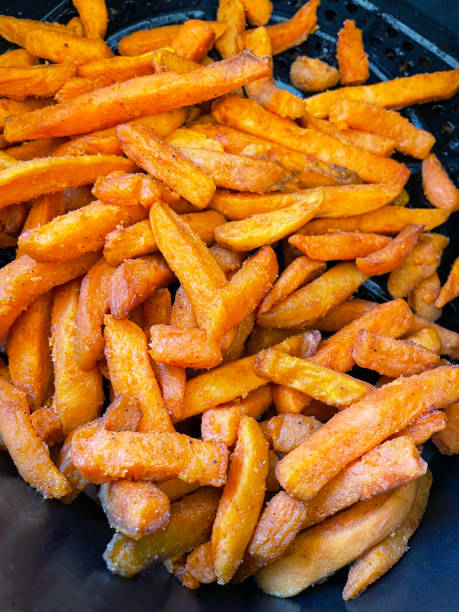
51	555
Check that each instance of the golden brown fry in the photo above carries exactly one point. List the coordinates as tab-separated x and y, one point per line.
450	289
258	11
141	96
311	74
232	14
422	298
447	441
352	59
94	17
344	314
376	561
29	453
342	246
361	426
77	86
40	81
438	187
397	93
65	48
241	500
117	68
14	30
75	26
230	261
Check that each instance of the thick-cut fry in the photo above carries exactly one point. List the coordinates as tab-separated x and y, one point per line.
17	58
77	86
424	426
376	561
67	236
241	500
361	426
200	564
344	314
422	298
428	338
29	453
351	56
75	26
447	441
176	489
266	228
102	456
29	357
78	394
33	148
117	68
221	424
93	304
392	255
391	357
194	40
386	220
94	17
248	116
258	11
10	107
135	509
65	48
40	81
189	526
421	263
33	178
286	431
311	74
449	339
408	139
322	550
23	280
316	299
450	289
131	372
344	246
188	348
166	164
232	14
295	30
167	61
416	89
46	423
140	96
438	188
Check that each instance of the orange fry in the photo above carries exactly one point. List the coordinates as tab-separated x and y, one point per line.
422	297
286	431
77	86
14	30
345	245
450	289
351	56
428	338
449	339
344	314
424	426
117	68
17	58
33	148
41	81
65	48
447	441
194	40
438	188
295	30
311	74
200	564
188	348
10	107
94	17
232	14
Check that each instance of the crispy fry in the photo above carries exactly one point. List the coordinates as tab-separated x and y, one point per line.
221	424
344	246
17	58
232	14
40	81
286	431
75	26
447	441
352	59
29	453
376	561
117	68
421	263
316	299
200	564
438	187
366	423
422	298
176	489
386	220
29	358
140	96
250	117
258	11
449	339
241	500
46	423
65	48
165	60
230	261
10	107
424	426
428	338
450	289
189	526
32	149
77	86
188	348
408	139
311	74
266	228
344	314
295	30
94	17
102	456
194	40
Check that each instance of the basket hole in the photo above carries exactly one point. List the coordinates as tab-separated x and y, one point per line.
424	62
282	62
130	7
351	7
454	146
330	15
438	109
391	32
455	108
405	67
390	53
447	127
407	45
375	41
320	47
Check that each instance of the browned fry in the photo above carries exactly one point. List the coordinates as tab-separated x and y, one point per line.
286	431
194	40
344	246
94	17
311	74
447	441
230	261
438	188
167	61
352	59
29	453
62	47
41	81
424	426
188	348
450	289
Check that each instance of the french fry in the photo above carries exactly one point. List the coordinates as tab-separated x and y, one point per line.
449	339
41	81
320	382
248	116
408	139
135	509
295	30
391	357
286	431
438	187
17	58
311	74
447	441
187	348
200	564
75	26
77	86
450	289
10	107
376	561
36	177
67	237
32	149
164	60
141	96
351	56
65	48
266	228
47	425
397	93
117	68
93	304
392	255
300	271
344	246
258	13
189	526
241	500
322	550
424	426
344	314
421	263
385	220
176	489
131	372
29	358
166	164
428	338
304	306
232	14
94	17
422	298
194	40
350	433
230	261
103	456
23	280
78	394
14	30
12	218
235	349
29	453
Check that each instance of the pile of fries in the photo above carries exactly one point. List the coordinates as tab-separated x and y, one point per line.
153	346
